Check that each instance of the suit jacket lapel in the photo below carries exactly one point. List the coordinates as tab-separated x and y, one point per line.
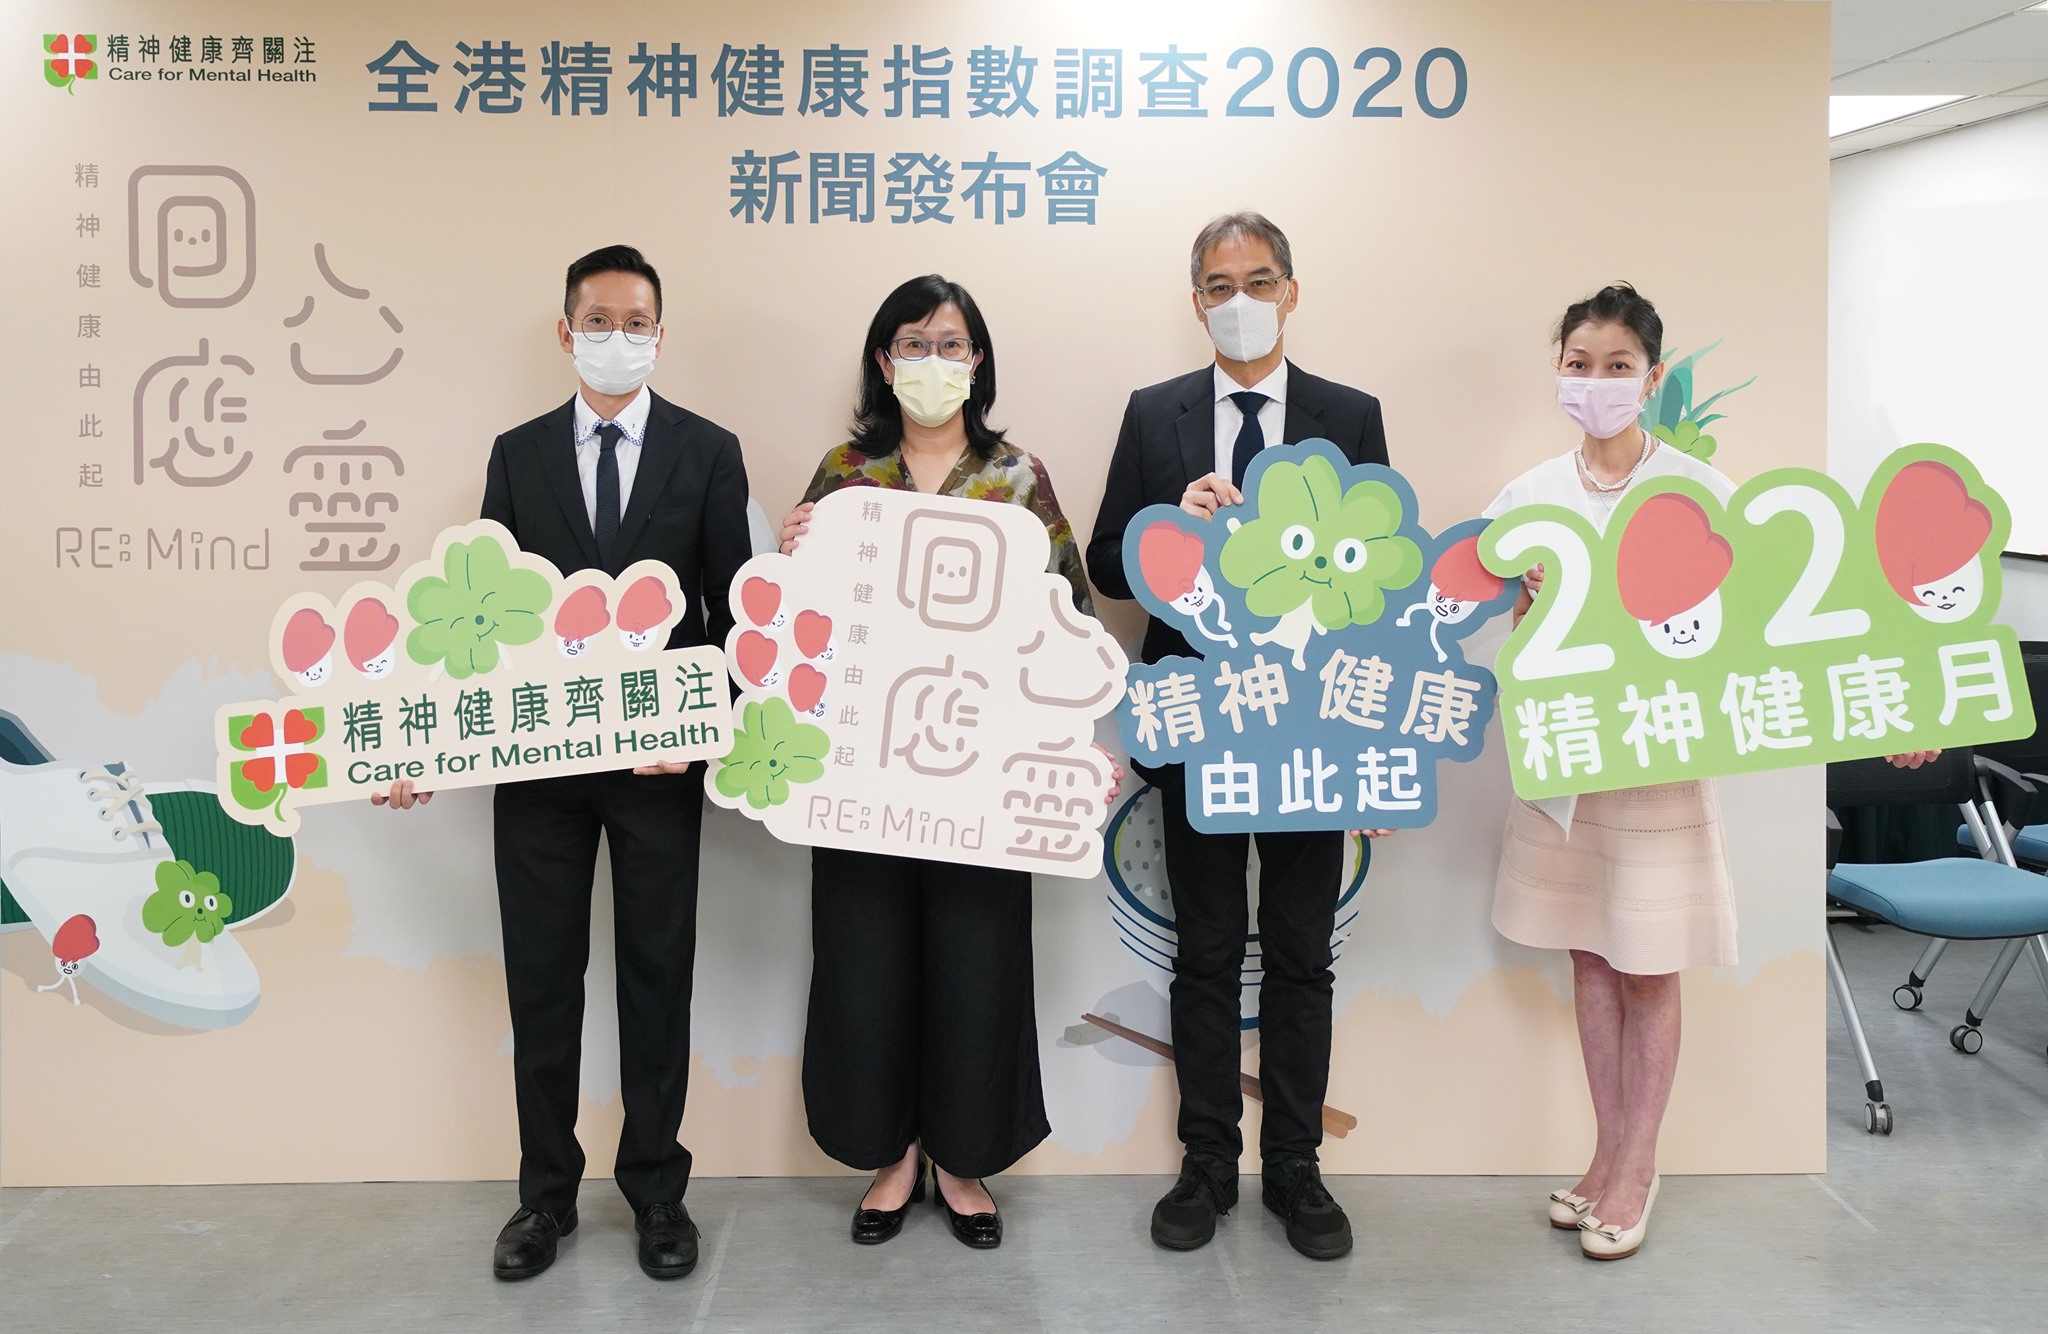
1196	427
1304	420
558	462
660	448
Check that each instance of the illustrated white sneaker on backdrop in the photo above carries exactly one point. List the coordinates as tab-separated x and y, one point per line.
81	840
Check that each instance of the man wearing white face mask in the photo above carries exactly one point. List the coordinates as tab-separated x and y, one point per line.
1189	442
614	475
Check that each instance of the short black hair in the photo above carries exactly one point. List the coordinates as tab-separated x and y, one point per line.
609	259
1617	303
877	419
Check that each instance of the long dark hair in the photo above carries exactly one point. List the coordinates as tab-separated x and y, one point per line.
877	419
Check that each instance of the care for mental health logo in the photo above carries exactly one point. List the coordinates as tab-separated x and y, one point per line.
65	58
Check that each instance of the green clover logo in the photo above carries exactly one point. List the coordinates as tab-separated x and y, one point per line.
479	603
1317	544
186	903
770	751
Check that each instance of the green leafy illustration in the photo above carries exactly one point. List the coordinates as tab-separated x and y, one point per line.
479	603
770	751
186	903
1315	544
1672	416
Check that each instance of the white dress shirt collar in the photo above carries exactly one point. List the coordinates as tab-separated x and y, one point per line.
1274	386
632	419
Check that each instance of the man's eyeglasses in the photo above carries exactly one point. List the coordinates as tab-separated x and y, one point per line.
917	349
1260	289
597	328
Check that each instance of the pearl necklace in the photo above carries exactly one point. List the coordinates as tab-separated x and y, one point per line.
1602	489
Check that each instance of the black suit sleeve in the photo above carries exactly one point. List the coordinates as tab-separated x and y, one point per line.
727	542
1374	438
1123	495
498	489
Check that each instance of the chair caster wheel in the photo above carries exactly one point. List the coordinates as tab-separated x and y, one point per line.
1965	1039
1907	997
1877	1118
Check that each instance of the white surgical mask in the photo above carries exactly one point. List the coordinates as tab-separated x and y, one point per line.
932	389
616	364
1244	328
1602	408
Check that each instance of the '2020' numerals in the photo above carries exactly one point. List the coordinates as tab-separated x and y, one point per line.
1312	82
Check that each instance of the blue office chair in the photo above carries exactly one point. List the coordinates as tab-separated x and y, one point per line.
2024	847
1951	898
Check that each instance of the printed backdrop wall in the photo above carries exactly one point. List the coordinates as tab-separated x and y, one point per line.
281	272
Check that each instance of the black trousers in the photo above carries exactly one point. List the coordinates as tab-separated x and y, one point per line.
922	1026
1298	887
545	833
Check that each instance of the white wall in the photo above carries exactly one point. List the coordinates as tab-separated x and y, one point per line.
1938	315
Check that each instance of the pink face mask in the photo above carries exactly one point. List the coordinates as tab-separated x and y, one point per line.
1602	408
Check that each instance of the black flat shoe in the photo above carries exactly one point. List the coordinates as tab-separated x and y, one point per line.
668	1240
984	1232
872	1227
526	1245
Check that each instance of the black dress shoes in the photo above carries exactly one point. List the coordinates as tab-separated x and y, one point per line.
1185	1219
668	1240
872	1227
1316	1225
984	1232
526	1246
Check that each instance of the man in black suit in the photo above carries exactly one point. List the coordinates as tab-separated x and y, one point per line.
1188	442
614	475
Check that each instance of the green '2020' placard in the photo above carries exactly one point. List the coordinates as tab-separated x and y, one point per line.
1792	626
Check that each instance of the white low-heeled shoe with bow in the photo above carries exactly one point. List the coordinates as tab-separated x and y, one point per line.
1605	1241
1568	1210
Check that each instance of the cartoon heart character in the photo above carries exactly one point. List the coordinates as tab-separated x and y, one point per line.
762	602
814	635
1458	586
370	638
644	607
76	941
1930	540
1670	567
807	690
1170	559
308	647
756	653
579	618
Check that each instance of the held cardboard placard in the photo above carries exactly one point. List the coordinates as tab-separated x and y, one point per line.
914	681
483	664
1331	681
1792	627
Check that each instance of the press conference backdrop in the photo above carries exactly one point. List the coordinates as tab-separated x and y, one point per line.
281	273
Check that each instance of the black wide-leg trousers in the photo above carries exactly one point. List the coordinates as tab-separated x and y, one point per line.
1298	888
546	836
922	1027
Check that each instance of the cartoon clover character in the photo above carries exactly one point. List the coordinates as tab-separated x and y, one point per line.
770	751
187	904
1318	557
1170	558
76	941
478	604
1458	586
308	646
1670	567
1930	541
370	635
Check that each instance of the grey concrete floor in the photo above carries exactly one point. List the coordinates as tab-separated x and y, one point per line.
1939	1225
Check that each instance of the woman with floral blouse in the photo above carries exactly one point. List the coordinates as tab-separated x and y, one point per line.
922	1043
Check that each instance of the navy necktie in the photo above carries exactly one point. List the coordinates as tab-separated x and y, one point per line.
1251	437
608	434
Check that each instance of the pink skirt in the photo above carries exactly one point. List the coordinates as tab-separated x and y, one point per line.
1642	881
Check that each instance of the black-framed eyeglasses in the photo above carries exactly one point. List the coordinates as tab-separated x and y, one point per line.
1259	289
917	349
597	328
